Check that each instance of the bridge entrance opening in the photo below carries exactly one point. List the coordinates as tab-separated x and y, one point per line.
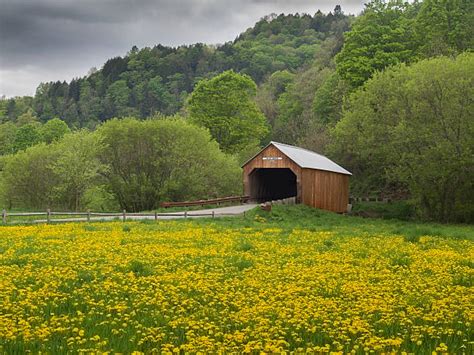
267	184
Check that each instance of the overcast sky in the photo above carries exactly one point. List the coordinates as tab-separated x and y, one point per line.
45	40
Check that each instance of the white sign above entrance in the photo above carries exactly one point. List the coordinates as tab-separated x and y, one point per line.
272	158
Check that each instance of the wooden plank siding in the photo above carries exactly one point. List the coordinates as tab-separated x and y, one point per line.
317	188
326	190
258	162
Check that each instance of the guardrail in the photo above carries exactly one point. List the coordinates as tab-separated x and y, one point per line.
101	216
215	201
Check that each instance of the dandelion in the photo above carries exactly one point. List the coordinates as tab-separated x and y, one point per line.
182	288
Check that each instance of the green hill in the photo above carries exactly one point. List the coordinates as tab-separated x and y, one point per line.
157	80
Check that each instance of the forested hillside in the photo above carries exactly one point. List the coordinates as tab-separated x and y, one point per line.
151	80
388	94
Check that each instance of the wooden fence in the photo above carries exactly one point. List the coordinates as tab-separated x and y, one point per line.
369	199
101	216
215	201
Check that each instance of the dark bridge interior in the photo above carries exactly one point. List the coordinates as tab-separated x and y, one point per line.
268	184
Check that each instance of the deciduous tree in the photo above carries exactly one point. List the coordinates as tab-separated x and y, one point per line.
53	130
414	123
225	105
382	36
164	159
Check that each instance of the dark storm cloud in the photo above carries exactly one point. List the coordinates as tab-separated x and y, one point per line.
42	40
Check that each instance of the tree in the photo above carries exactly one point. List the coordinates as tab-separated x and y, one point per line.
3	109
118	96
295	114
53	130
153	97
43	104
113	68
328	99
381	37
28	178
445	27
89	104
164	159
7	138
225	105
54	175
28	117
26	136
269	92
413	125
70	114
77	167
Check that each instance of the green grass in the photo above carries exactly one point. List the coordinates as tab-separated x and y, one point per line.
394	210
130	266
288	217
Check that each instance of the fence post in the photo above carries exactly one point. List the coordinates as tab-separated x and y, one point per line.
185	214
4	216
124	215
88	215
48	215
213	214
156	216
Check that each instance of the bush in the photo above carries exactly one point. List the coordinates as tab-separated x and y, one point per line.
127	164
164	159
52	176
403	210
28	178
98	199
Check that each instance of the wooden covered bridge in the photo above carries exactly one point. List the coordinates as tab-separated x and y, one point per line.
280	171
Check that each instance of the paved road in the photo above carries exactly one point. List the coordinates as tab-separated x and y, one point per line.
218	212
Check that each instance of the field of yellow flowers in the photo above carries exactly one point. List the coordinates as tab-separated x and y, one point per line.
188	287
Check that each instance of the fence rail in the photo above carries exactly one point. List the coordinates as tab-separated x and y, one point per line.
370	199
215	201
101	216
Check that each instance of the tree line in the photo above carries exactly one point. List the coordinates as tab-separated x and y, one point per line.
388	94
159	79
129	164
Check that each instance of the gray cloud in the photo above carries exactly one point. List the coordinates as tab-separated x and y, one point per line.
43	40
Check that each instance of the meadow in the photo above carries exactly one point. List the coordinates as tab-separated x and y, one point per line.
296	279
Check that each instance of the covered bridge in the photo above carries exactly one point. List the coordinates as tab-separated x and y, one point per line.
280	171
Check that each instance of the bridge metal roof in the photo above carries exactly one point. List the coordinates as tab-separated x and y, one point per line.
307	158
